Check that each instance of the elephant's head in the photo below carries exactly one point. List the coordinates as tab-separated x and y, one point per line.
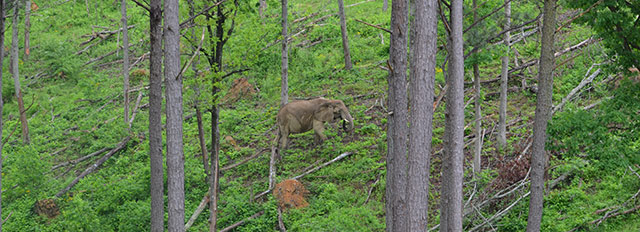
334	111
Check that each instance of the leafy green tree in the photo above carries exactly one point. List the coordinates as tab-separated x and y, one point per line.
616	22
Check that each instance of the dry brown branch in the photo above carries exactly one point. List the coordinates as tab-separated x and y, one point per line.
375	26
59	150
575	90
280	222
103	35
371	190
341	156
230	166
136	108
95	166
578	16
229	228
79	159
203	204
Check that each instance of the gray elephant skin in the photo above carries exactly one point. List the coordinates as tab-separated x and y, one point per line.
304	115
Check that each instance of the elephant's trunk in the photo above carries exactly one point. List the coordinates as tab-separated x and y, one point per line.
347	122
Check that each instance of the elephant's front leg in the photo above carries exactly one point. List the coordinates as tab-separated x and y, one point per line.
318	128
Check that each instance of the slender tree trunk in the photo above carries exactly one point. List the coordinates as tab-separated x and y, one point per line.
422	70
397	132
477	153
284	90
385	5
125	59
502	123
173	82
15	70
543	114
215	132
477	162
1	100
27	29
345	38
155	117
263	6
454	125
215	166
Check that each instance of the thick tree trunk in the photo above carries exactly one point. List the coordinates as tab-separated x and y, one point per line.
504	78
345	38
155	118
15	71
543	114
1	100
477	161
422	69
454	125
125	58
173	82
397	132
27	29
284	89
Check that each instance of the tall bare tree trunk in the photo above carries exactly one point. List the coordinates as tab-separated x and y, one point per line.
397	130
345	38
125	59
284	90
213	177
422	70
173	82
543	114
454	126
155	117
263	6
504	78
15	71
1	100
27	29
385	5
215	131
477	161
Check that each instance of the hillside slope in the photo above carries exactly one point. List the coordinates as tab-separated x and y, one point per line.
73	82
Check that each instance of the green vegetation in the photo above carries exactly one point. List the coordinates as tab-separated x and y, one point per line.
77	110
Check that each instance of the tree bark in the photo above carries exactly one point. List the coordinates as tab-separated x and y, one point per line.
214	167
284	89
454	127
155	117
263	6
173	83
27	29
477	161
542	115
213	178
125	59
397	132
345	38
15	71
422	70
2	30
502	121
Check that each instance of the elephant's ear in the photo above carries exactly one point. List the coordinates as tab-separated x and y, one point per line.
324	113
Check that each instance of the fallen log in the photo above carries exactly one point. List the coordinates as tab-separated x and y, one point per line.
95	166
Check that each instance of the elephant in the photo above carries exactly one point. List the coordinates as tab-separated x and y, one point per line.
303	115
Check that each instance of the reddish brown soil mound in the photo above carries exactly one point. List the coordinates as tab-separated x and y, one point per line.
46	208
240	88
290	194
